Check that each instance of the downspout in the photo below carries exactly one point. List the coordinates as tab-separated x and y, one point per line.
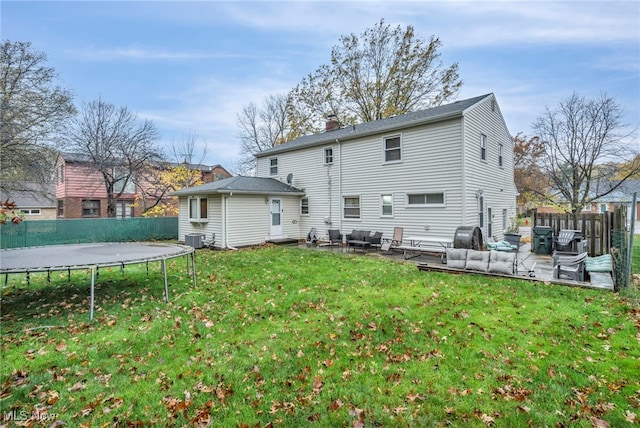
339	184
226	222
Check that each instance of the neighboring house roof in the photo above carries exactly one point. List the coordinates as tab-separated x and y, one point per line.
33	195
75	157
435	114
201	167
242	185
624	193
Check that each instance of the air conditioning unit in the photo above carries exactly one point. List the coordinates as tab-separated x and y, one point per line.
194	239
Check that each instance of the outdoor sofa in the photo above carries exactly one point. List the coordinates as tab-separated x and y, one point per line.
496	262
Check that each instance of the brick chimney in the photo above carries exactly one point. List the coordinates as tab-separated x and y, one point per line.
332	123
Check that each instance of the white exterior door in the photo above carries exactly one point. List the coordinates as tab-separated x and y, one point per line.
275	205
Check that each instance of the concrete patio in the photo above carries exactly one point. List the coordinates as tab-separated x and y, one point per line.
531	266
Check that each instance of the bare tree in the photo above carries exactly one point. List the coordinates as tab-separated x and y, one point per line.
185	151
116	144
262	128
381	73
162	178
33	109
584	143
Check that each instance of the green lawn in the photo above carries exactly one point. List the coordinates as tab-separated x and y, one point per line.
293	337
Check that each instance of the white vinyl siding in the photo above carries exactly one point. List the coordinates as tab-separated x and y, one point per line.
213	225
487	178
439	157
320	183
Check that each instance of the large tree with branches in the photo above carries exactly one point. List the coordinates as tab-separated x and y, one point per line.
383	72
116	144
33	110
585	142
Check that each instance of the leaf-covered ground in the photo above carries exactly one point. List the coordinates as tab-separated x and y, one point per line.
291	337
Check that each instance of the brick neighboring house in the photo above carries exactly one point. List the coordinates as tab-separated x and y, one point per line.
80	191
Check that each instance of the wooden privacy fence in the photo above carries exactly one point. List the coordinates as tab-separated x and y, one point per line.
597	229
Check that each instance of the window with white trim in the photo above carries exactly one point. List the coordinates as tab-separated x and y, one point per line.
425	199
30	211
328	155
304	206
351	207
198	208
386	205
392	149
273	166
483	147
500	151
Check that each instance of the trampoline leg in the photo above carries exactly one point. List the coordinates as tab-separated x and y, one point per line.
166	287
6	279
193	268
92	296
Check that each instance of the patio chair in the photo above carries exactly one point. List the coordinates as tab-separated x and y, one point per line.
312	237
571	266
335	237
376	239
395	241
209	243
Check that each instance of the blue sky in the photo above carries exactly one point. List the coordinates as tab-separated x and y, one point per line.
191	66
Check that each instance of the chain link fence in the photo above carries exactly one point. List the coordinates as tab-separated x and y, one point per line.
37	233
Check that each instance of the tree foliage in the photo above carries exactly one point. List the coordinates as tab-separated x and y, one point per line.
33	110
381	73
531	183
584	143
116	144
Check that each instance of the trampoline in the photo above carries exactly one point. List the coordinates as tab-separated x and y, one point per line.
93	257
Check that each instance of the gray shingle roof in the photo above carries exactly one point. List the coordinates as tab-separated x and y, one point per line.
242	185
32	195
434	114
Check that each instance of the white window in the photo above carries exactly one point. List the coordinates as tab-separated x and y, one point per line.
500	151
505	219
198	209
425	199
386	203
392	149
273	166
30	211
304	206
351	206
483	147
328	155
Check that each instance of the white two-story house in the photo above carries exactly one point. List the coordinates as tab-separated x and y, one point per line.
429	172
